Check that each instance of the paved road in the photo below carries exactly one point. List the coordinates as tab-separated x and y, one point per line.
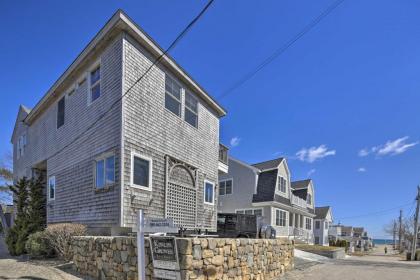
376	266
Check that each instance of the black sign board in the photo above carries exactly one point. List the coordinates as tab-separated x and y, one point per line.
164	252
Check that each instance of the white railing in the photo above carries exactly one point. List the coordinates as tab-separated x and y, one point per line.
301	233
299	201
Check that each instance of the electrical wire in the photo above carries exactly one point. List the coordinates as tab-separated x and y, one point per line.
377	213
282	49
156	62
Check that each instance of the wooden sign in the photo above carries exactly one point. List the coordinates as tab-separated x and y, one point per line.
164	252
160	225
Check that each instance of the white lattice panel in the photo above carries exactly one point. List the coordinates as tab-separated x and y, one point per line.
181	205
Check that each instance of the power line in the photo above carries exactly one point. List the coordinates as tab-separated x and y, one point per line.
377	213
156	62
282	49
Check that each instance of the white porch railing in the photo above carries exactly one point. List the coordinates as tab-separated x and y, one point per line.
299	201
302	234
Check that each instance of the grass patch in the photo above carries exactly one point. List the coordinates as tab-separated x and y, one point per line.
306	247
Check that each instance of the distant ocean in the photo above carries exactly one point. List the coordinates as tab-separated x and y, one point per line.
383	241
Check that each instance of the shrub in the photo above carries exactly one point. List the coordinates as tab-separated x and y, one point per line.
38	245
60	235
11	240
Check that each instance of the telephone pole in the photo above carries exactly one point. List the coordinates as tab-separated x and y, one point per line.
416	226
400	233
395	234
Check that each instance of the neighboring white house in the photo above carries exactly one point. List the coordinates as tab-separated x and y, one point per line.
266	189
322	222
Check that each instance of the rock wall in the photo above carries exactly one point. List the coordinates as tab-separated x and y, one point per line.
200	258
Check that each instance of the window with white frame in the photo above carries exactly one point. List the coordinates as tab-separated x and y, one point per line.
309	199
208	192
317	224
172	96
104	171
308	223
141	171
51	188
21	145
191	109
95	83
225	187
61	105
280	218
256	212
282	184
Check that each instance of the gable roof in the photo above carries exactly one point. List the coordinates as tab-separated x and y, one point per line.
120	22
21	115
322	212
269	164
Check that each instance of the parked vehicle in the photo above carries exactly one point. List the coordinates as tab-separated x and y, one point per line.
243	225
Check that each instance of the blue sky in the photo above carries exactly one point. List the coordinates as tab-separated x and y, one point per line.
351	83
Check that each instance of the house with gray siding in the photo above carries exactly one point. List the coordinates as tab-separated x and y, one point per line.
110	142
322	222
266	189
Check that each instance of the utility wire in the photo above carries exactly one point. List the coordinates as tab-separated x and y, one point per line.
377	213
282	49
156	62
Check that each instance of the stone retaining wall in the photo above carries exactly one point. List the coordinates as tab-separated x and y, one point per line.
200	258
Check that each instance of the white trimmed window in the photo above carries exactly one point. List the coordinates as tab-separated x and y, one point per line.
208	192
21	145
282	184
280	218
141	171
51	188
256	212
104	171
309	199
317	224
191	109
225	187
95	84
308	223
172	96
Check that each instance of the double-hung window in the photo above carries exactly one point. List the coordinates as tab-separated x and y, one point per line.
308	223
51	188
191	109
105	171
61	108
309	199
225	187
95	84
282	183
141	171
208	192
256	212
317	224
280	218
172	96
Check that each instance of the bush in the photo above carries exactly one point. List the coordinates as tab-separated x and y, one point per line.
60	235
38	245
11	240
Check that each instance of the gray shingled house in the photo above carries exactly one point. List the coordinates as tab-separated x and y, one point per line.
155	148
266	189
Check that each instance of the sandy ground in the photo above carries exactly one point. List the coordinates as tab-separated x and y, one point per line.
375	266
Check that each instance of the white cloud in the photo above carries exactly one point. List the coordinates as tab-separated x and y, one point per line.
392	148
314	153
310	172
361	169
235	141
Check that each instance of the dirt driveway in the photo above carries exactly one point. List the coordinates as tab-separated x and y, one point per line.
376	266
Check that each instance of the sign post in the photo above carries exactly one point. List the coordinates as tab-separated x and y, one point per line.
141	264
